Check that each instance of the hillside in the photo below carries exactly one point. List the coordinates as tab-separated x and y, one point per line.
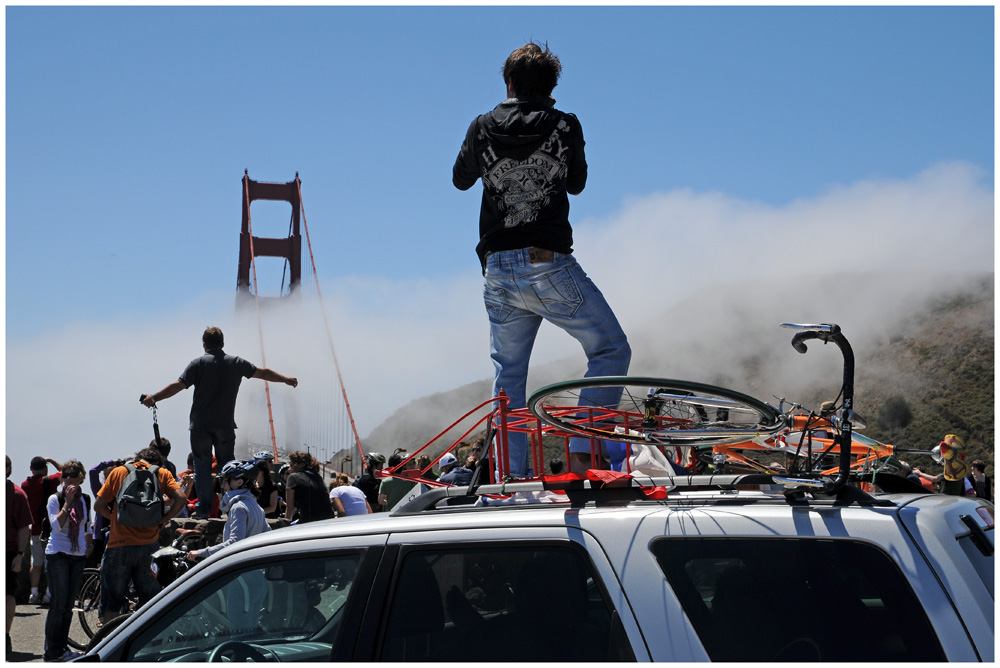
924	349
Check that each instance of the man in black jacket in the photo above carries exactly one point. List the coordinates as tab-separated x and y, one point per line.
530	157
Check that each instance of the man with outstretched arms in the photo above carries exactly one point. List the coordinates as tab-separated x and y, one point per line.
216	377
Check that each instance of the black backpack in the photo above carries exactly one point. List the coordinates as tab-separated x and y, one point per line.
61	496
140	501
41	514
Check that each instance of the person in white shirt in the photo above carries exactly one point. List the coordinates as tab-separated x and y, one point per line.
66	554
347	499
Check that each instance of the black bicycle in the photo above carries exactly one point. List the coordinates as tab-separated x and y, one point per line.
169	563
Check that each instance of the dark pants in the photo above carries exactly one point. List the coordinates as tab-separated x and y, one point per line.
202	441
121	565
65	573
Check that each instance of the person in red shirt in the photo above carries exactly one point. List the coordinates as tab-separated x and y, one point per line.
39	488
129	554
18	531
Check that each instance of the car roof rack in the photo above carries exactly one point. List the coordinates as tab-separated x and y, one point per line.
625	490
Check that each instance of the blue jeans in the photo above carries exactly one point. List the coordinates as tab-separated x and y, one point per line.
202	440
64	573
518	296
123	564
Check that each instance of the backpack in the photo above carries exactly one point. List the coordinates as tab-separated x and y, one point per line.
41	514
140	501
47	526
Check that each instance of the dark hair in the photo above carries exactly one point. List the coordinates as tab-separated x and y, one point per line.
556	466
212	339
248	484
150	455
394	460
39	463
305	459
532	71
980	465
163	448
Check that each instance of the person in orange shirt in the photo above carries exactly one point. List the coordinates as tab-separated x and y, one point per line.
129	554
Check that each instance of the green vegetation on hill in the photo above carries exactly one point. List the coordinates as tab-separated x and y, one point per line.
947	360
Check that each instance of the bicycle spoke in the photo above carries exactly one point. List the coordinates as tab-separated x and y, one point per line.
652	410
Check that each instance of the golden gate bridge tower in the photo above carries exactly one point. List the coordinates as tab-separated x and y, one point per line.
316	416
251	247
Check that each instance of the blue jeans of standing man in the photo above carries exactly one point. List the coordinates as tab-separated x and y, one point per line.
64	573
202	440
519	294
123	564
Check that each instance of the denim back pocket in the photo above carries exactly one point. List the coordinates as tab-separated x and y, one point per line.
496	304
558	293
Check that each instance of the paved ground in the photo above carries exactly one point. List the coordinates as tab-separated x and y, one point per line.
27	633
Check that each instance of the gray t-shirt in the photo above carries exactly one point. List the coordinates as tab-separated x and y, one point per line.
216	377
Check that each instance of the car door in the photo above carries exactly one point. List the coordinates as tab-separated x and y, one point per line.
291	602
524	594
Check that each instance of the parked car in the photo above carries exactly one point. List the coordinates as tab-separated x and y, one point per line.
727	568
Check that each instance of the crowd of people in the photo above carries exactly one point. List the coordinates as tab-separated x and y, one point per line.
58	527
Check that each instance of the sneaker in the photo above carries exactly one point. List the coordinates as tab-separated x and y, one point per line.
69	655
45	599
34	599
200	516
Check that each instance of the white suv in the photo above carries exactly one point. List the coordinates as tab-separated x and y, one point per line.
722	569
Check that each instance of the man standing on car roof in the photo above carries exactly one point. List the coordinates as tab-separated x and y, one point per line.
530	157
216	377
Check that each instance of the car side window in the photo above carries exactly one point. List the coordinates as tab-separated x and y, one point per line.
286	611
796	599
501	603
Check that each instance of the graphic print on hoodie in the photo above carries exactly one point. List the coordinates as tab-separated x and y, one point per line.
525	186
529	156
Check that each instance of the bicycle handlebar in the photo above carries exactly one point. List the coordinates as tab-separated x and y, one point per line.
830	333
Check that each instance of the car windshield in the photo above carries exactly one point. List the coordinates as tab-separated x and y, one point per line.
292	607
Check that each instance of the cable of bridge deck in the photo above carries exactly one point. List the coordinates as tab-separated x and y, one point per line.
326	321
260	326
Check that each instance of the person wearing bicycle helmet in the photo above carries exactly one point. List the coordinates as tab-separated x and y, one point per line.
244	516
368	483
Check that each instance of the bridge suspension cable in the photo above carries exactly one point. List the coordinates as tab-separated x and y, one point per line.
326	323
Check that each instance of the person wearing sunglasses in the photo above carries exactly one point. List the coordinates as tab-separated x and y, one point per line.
65	557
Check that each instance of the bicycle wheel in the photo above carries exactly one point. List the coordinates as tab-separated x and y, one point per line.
78	636
653	410
88	602
106	630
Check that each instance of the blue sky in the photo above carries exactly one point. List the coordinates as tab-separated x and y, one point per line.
129	129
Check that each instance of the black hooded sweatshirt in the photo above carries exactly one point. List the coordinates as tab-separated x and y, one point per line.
529	156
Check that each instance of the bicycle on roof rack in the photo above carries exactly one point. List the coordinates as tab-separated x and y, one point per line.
649	415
